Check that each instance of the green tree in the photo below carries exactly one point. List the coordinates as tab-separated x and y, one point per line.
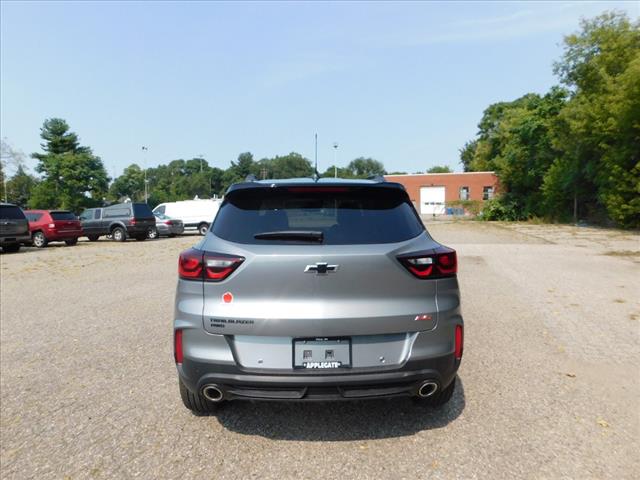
72	176
340	172
240	169
516	141
440	169
20	186
128	185
365	167
292	165
599	128
9	157
467	152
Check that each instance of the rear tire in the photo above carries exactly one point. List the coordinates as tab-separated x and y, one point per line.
13	248
196	402
39	240
153	233
438	399
93	238
118	234
203	228
71	241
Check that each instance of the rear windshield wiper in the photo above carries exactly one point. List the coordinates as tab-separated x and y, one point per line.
304	235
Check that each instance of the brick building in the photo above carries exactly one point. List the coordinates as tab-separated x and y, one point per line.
430	192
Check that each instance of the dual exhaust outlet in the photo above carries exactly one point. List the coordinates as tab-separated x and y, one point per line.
214	393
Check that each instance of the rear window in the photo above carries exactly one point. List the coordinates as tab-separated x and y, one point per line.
10	212
63	216
33	217
116	212
344	215
142	210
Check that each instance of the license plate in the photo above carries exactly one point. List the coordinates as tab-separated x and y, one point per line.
322	353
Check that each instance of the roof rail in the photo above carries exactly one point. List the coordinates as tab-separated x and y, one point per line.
376	178
250	178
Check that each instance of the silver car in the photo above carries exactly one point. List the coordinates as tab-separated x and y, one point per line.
317	290
165	226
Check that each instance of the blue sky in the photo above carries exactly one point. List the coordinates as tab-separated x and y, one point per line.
405	83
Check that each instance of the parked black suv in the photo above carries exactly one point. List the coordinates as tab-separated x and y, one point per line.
121	221
14	227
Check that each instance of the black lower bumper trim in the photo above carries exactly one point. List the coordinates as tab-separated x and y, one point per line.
357	384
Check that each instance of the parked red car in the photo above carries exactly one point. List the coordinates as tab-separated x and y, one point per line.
53	226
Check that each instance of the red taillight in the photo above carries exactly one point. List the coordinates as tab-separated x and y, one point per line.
190	264
459	342
133	221
211	267
177	346
168	222
219	267
438	263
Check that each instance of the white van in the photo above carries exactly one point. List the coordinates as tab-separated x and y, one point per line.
198	213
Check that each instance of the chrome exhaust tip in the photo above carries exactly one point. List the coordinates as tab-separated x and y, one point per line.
213	393
427	389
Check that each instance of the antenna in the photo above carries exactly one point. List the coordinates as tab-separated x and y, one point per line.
316	158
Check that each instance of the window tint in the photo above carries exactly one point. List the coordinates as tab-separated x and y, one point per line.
97	213
160	216
161	209
86	215
116	212
142	210
10	212
345	215
63	216
33	217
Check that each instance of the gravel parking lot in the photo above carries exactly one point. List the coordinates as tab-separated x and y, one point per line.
549	385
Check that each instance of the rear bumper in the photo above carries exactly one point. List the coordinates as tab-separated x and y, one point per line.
169	230
138	230
241	384
63	235
15	239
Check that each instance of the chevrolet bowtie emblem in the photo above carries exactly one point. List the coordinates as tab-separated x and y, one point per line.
321	268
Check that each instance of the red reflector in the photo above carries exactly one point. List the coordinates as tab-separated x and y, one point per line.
177	348
459	342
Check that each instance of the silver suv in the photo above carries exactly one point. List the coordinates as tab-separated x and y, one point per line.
317	290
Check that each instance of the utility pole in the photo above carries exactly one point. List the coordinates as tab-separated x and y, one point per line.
335	161
146	182
201	160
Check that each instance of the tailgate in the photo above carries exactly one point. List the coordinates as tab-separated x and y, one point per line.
366	291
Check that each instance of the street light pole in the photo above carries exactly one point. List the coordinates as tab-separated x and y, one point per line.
335	161
201	160
146	182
